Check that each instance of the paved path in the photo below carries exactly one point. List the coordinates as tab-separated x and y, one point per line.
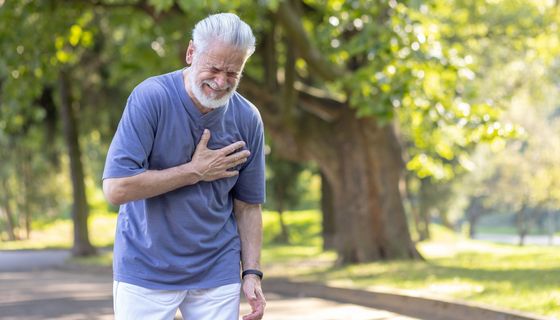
27	260
39	287
539	240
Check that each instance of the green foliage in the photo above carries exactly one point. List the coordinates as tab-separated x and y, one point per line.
305	229
290	185
524	171
283	184
443	70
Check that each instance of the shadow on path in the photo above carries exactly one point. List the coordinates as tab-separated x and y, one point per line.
49	289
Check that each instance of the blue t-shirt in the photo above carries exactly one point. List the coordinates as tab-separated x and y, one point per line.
186	238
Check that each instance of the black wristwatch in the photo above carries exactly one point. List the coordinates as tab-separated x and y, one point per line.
256	272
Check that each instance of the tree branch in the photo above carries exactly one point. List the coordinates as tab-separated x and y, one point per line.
291	22
311	100
269	62
143	6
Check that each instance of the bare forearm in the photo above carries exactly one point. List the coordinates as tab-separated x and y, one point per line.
149	184
249	223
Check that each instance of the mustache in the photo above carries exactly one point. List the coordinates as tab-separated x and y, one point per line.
212	84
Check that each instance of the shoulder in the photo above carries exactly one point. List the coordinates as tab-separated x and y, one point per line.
245	110
151	95
153	88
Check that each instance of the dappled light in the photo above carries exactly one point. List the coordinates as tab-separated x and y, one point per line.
411	146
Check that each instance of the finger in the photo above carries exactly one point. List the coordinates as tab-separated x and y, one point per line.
238	156
253	316
257	311
229	174
232	147
204	139
236	163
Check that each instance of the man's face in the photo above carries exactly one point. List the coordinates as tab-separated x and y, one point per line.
215	74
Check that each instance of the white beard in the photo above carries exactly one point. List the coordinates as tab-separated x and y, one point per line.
203	99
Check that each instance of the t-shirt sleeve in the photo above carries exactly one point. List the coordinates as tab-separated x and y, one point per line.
250	186
130	149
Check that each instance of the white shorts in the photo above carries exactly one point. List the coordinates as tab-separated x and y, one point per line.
137	303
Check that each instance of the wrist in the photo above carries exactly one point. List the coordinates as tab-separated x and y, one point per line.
252	272
192	174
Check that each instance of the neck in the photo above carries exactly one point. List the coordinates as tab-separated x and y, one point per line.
187	85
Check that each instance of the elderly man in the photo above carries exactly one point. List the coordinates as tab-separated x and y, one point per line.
186	166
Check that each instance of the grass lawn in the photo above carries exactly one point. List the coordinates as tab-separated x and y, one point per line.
518	278
59	234
505	276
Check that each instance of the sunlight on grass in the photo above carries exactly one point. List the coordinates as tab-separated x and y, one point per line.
102	229
505	276
54	235
59	234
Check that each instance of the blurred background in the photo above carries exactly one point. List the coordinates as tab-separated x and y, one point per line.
412	145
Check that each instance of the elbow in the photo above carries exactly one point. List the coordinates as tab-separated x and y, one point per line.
114	192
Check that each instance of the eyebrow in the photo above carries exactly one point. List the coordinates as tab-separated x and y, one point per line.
217	69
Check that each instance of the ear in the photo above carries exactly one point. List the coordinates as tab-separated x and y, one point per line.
190	53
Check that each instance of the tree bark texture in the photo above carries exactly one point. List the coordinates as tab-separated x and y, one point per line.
360	159
328	222
364	177
474	211
283	237
6	207
361	162
80	210
522	222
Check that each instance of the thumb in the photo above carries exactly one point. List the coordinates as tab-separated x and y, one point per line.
204	139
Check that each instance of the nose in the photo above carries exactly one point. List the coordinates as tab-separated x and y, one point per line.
221	80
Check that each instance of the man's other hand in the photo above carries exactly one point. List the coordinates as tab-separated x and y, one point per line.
254	295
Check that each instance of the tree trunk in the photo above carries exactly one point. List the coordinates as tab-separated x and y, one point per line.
82	245
411	199
364	178
472	226
551	230
425	208
473	213
10	221
362	163
522	224
283	237
26	194
328	221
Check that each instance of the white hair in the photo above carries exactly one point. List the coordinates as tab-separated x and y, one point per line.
227	28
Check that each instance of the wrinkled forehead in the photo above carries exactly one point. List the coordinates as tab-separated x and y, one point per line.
222	56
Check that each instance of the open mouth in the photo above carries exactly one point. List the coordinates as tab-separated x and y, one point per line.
216	91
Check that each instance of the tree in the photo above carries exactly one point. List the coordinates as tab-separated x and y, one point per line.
28	79
496	40
284	189
343	84
300	118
